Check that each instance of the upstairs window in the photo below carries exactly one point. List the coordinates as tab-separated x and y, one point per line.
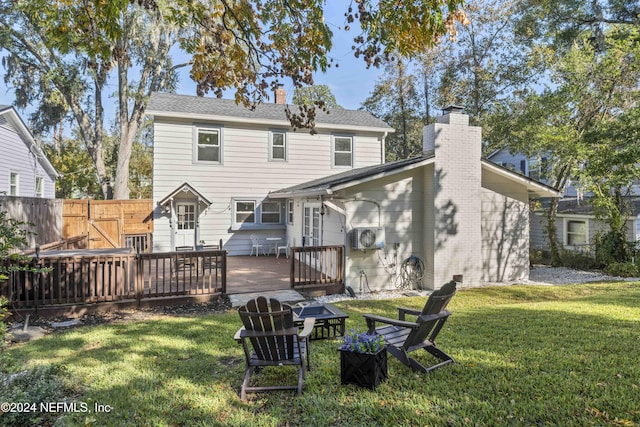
13	183
278	146
208	145
343	151
538	169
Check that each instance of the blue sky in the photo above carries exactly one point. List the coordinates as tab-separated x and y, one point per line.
351	82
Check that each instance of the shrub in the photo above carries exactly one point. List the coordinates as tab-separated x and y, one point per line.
539	256
578	260
43	384
623	269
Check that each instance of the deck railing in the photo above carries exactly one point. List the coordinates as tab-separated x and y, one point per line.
317	265
89	279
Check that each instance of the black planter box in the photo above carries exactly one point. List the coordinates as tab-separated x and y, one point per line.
363	369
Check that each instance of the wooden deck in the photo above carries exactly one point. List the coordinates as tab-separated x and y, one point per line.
256	274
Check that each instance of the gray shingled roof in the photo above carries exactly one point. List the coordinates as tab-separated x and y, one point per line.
571	206
328	182
189	106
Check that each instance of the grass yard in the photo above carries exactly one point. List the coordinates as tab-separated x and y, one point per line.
525	355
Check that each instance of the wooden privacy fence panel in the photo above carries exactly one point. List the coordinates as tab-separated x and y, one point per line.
44	215
317	265
89	279
109	223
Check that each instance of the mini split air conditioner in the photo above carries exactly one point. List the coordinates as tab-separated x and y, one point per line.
368	238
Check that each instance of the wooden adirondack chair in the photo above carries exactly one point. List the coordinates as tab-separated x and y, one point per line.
269	338
403	337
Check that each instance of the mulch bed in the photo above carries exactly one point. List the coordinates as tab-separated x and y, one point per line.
220	305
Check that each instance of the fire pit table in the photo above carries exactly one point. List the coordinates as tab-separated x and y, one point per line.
329	320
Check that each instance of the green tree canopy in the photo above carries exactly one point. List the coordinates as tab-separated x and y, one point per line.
62	54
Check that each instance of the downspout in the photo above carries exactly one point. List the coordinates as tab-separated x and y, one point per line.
384	145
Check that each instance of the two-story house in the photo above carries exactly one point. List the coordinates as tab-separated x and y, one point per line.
216	162
25	171
225	172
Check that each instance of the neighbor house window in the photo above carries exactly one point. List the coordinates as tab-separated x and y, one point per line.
39	186
538	169
576	232
290	211
13	183
245	211
208	145
278	146
342	151
270	213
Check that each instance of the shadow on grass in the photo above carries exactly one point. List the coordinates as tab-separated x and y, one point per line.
551	361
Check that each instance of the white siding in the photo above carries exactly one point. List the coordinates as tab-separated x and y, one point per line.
16	157
395	203
505	230
245	172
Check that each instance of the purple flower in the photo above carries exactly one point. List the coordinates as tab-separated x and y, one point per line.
362	342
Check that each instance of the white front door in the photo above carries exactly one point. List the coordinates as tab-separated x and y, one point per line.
311	228
186	224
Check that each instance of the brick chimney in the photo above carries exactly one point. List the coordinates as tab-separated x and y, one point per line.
280	94
453	199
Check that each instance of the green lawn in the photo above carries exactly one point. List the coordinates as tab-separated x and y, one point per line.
526	355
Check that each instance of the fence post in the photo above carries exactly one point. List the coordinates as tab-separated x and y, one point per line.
138	277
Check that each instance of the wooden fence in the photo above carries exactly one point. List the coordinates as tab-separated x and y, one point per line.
43	215
91	279
319	267
110	223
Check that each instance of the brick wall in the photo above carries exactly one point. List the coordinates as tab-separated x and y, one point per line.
453	214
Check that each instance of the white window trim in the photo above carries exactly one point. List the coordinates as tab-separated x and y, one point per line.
566	229
39	191
257	215
333	150
290	212
208	127
286	145
17	185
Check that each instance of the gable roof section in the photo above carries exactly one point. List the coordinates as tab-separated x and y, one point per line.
185	188
330	184
202	108
537	188
9	114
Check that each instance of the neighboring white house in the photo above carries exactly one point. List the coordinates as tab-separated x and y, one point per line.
215	163
25	171
462	215
576	223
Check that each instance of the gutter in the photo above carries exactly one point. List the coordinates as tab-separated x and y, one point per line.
308	193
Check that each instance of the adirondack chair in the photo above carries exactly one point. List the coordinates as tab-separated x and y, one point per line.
269	338
403	336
